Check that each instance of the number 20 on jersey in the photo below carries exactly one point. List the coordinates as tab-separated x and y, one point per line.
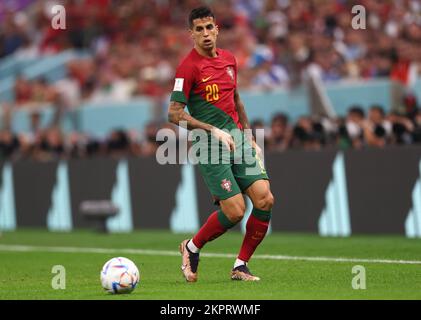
212	92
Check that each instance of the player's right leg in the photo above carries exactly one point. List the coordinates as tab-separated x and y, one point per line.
222	185
231	212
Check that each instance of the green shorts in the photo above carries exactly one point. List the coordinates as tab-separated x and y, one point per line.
236	174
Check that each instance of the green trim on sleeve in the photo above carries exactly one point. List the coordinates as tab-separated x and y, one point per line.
178	96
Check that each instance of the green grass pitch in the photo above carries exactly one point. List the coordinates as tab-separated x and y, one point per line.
27	273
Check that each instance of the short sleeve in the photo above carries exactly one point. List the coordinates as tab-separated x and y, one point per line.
184	81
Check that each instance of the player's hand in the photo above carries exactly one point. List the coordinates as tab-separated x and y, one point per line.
257	148
252	141
225	137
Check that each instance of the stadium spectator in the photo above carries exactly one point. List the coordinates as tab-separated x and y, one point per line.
9	143
149	144
307	134
118	143
377	129
354	127
402	129
51	144
280	133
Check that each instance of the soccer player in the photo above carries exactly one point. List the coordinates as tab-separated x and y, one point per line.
206	81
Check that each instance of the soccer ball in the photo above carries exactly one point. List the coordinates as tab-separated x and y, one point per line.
119	275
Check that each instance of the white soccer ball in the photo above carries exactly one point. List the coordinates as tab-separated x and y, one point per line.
119	275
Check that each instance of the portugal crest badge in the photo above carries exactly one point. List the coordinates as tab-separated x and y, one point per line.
230	72
226	185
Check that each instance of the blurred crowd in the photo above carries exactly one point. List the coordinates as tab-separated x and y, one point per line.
136	44
50	142
358	129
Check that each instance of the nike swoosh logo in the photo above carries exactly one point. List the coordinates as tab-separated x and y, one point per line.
206	79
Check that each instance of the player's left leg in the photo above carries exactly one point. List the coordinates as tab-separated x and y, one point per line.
256	227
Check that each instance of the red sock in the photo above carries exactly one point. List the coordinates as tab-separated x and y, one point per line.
216	225
255	232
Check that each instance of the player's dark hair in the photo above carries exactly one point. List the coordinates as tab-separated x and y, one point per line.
200	13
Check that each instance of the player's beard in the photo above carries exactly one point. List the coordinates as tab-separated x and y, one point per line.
208	45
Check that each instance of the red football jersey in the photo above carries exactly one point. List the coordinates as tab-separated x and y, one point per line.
207	85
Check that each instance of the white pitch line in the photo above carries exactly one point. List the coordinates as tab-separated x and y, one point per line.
24	248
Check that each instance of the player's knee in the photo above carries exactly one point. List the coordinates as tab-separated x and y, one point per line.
265	202
236	212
